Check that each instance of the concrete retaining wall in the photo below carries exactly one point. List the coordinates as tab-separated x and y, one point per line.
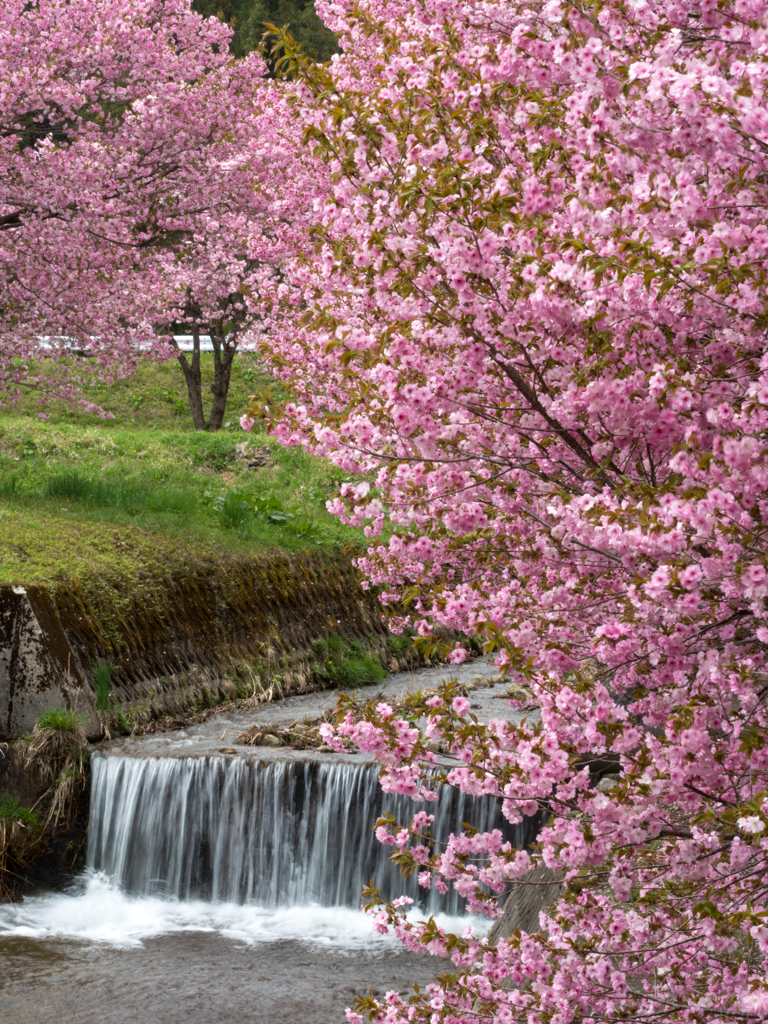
177	637
37	668
535	892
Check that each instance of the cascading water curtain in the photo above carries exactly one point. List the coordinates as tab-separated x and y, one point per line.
274	833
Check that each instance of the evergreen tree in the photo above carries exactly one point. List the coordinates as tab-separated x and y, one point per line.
248	17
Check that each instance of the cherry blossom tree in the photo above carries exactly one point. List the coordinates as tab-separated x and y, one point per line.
535	320
140	181
221	271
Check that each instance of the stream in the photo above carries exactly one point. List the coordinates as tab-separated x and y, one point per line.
223	887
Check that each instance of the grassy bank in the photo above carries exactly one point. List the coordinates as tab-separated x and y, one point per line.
84	496
183	568
155	397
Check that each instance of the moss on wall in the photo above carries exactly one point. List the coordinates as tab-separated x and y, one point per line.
195	627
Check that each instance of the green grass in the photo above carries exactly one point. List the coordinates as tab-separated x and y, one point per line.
60	720
11	811
154	398
343	662
80	495
352	672
101	676
132	496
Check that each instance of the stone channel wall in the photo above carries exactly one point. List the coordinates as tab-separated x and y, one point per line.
177	635
38	669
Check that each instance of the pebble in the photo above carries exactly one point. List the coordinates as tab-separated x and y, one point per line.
607	783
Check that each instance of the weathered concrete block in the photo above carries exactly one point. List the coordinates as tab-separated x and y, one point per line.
37	668
535	892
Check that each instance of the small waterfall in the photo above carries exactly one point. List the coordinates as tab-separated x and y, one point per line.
274	833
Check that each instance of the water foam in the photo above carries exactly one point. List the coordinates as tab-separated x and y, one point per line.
96	910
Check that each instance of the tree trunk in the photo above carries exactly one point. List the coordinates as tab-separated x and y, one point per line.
193	378
223	357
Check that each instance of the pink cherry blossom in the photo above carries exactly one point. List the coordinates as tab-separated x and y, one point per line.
147	181
534	319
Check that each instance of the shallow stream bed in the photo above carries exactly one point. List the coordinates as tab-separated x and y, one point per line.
114	950
222	730
194	964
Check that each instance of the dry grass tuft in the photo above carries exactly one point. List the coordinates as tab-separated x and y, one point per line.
21	835
66	792
57	738
58	753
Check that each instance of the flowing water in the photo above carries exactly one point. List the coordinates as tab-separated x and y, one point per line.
277	834
225	889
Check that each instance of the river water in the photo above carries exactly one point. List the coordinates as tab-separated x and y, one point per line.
222	888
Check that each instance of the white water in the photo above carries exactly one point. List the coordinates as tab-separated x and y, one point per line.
227	891
256	852
95	910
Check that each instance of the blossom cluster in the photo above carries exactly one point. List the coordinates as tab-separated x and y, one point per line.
534	321
148	181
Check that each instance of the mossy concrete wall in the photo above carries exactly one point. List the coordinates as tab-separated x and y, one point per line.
180	631
37	668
